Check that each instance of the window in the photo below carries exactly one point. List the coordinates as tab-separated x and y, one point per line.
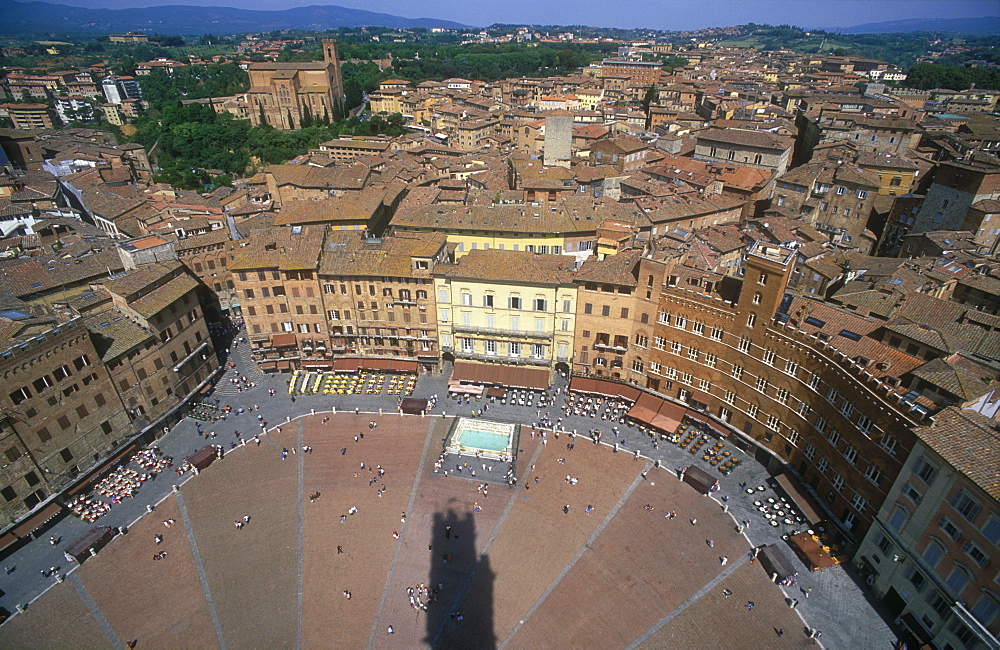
834	437
986	609
841	190
537	351
659	342
860	503
762	279
864	424
698	328
949	528
756	298
744	345
762	384
514	349
738	372
814	381
965	505
810	451
837	482
705	385
804	409
958	579
606	310
977	554
716	334
686	378
925	470
467	299
693	353
730	397
711	360
768	357
991	530
874	474
637	365
676	347
540	304
663	317
514	302
655	367
468	345
823	465
642	341
680	322
752	410
773	422
898	519
912	493
751	319
488	301
781	395
20	395
884	544
851	454
889	444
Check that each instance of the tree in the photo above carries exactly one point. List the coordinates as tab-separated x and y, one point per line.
263	117
291	121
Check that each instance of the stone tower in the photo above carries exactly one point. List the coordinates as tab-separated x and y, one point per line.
336	79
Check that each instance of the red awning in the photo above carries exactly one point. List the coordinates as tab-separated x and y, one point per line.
374	364
7	540
668	417
36	520
345	365
510	376
268	365
413	406
604	387
283	340
695	396
797	495
400	365
642	414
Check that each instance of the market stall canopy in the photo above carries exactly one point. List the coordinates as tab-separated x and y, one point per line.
775	561
413	406
699	479
203	457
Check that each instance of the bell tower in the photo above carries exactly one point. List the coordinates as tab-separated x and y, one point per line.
333	66
768	268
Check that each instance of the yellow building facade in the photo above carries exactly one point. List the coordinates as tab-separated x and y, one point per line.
509	307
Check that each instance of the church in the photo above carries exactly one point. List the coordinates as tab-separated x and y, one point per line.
285	95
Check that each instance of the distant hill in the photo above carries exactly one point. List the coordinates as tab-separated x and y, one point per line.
46	17
984	25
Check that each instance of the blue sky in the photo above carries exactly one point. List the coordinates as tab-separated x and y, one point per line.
657	14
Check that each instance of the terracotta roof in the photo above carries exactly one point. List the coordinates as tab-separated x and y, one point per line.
519	267
969	442
742	137
286	248
620	269
162	297
114	334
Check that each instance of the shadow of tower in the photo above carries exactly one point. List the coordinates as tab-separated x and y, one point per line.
462	617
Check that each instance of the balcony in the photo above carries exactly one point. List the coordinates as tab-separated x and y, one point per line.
602	346
486	331
499	358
